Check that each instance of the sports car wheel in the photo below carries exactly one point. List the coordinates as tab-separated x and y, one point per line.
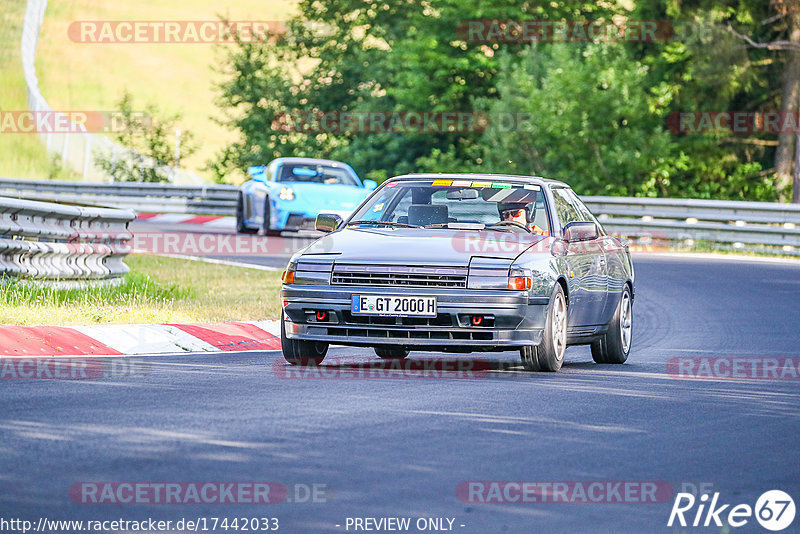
240	226
615	345
267	229
549	355
391	353
298	352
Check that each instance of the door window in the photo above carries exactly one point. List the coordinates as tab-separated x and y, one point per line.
566	211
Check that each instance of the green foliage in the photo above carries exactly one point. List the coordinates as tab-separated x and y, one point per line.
591	121
597	111
149	141
136	288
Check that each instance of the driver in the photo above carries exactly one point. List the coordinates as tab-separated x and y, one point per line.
518	212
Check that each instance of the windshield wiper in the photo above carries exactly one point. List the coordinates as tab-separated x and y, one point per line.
384	223
457	226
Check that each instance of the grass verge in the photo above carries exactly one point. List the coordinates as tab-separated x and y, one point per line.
178	77
22	155
157	290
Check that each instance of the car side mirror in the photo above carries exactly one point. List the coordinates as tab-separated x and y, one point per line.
327	222
580	231
370	185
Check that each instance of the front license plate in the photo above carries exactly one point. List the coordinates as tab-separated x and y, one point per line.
397	306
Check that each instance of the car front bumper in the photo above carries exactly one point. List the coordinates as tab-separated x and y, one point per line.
513	319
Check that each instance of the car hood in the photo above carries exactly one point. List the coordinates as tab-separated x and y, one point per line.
420	247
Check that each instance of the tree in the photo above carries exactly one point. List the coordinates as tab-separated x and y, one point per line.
788	16
396	56
600	120
149	152
592	121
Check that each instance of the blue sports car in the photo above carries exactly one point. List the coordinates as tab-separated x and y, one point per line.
289	193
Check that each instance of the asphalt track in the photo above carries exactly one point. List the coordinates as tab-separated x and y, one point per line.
400	447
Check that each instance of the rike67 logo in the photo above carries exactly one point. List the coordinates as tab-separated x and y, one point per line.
774	510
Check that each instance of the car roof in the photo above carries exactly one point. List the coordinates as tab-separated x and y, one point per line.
329	162
474	175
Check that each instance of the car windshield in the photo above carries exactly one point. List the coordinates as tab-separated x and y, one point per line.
458	204
316	173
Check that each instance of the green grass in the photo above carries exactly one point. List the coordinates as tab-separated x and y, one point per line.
179	78
21	155
157	290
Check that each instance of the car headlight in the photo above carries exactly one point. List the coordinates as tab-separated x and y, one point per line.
286	193
308	272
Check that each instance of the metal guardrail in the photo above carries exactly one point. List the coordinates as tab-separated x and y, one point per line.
757	226
159	198
63	244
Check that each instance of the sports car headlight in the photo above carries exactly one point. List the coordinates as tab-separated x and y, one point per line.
286	193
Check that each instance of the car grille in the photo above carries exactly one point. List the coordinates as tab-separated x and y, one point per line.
399	276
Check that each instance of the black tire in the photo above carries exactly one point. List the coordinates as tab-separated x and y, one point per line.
299	352
240	226
615	345
549	355
391	353
267	230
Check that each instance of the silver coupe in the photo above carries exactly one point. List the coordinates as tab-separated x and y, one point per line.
461	263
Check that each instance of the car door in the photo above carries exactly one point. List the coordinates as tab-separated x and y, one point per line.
616	269
586	260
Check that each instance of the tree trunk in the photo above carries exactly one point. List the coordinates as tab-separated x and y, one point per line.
784	155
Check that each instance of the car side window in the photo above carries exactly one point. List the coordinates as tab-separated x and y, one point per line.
565	210
583	211
378	211
540	213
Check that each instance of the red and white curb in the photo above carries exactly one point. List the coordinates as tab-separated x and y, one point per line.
212	221
138	340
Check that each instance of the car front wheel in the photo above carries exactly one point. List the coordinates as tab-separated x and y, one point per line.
549	355
615	345
299	352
